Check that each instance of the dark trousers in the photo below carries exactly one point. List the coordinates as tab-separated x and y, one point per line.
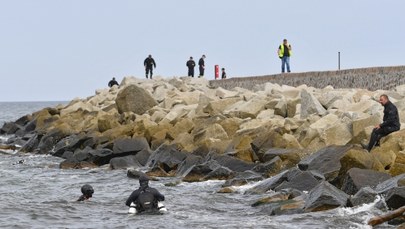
149	69
191	72
377	134
201	71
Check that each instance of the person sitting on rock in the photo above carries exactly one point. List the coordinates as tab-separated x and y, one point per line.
113	82
390	123
145	198
87	192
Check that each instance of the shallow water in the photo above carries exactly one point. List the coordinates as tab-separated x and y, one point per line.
37	194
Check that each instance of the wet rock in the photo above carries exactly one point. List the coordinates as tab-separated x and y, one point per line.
324	197
67	164
243	178
187	164
397	181
232	163
69	143
269	168
364	196
304	181
130	145
31	144
198	172
133	173
50	139
100	156
130	161
395	197
10	128
167	157
220	173
226	190
134	99
282	203
326	161
291	156
358	178
268	184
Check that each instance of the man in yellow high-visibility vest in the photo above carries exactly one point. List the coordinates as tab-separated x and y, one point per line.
284	52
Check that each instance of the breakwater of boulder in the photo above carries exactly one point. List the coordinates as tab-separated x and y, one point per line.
377	78
300	142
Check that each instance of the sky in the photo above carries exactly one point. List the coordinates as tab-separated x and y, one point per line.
58	50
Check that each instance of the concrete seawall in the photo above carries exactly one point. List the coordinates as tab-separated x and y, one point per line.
385	78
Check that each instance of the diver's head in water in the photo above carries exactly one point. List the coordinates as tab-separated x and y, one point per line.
144	181
87	192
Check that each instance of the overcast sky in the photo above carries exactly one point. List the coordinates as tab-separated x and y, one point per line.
61	49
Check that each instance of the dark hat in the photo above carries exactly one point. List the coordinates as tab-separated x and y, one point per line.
87	190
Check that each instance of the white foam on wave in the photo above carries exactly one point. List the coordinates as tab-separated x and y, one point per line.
243	188
365	209
360	208
4	137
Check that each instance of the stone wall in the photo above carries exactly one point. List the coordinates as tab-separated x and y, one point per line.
385	78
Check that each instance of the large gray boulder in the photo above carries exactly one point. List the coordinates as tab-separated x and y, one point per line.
326	161
310	105
134	99
363	196
324	197
356	179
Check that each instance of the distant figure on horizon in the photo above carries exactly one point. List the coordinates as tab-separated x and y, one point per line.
390	123
223	73
284	53
201	65
113	82
190	64
149	64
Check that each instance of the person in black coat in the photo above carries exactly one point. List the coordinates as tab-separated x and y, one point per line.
145	198
201	66
113	82
190	64
149	64
390	123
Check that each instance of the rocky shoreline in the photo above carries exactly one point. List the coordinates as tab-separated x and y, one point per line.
302	143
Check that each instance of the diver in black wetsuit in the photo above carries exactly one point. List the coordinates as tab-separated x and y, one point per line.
87	191
145	198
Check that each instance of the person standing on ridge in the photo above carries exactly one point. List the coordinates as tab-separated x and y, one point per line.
390	123
223	73
201	65
284	53
113	82
190	64
149	64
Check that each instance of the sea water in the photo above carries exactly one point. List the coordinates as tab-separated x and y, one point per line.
37	194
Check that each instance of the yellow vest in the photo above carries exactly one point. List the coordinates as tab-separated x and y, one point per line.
281	51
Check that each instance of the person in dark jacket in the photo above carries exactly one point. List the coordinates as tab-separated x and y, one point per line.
145	198
390	123
87	192
113	82
149	64
223	73
190	64
201	66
